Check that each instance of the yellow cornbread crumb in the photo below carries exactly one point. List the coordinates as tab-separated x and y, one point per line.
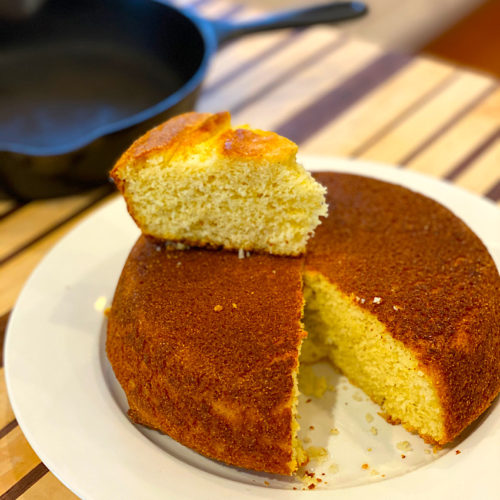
218	308
404	446
317	453
333	469
310	384
100	304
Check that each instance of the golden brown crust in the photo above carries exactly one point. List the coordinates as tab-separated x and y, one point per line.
179	135
255	144
184	130
202	356
424	274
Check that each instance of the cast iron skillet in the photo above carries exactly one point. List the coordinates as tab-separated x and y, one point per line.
79	80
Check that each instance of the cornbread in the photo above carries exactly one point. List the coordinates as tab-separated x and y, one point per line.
196	180
405	300
399	294
222	382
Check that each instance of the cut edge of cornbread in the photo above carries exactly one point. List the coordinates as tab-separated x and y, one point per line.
299	456
359	345
197	180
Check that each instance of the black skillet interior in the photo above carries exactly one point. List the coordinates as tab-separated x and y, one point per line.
76	67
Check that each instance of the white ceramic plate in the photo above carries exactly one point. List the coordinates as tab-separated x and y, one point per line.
73	413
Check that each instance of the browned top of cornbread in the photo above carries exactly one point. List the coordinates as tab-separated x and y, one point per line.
205	345
255	144
187	129
179	135
424	274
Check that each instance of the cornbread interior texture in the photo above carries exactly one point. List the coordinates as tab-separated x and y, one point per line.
394	289
396	283
196	180
361	347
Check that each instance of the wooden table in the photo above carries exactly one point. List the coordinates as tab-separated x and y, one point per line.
333	95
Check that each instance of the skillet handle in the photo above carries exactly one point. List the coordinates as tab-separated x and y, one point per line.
329	13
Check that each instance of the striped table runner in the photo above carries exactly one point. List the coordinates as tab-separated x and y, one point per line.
333	95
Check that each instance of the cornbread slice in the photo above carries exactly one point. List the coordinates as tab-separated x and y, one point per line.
196	180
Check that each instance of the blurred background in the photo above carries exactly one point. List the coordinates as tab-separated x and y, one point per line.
466	32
